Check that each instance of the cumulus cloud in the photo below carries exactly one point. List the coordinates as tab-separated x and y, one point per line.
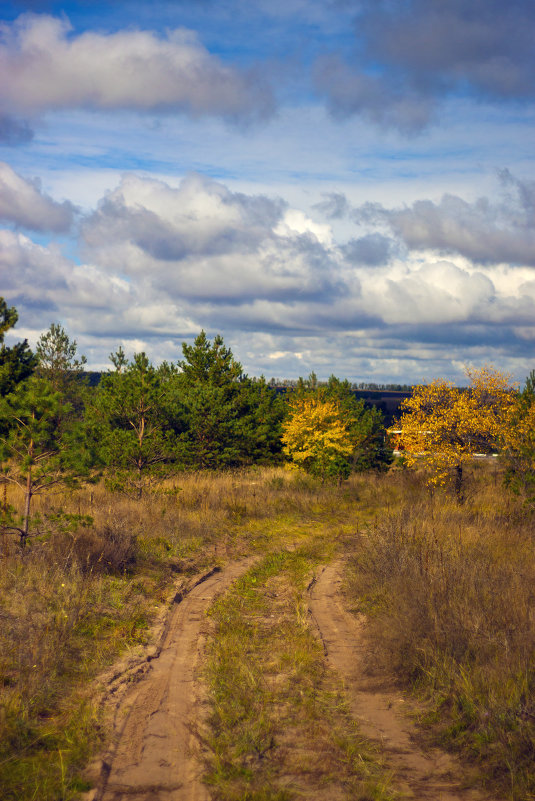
334	205
39	277
23	203
163	262
201	241
412	54
436	292
372	249
485	231
45	66
254	263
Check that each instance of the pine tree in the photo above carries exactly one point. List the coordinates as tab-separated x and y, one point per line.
128	417
518	442
230	419
59	364
57	358
42	447
16	362
262	411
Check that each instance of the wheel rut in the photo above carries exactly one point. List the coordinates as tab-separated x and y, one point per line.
155	754
380	708
157	748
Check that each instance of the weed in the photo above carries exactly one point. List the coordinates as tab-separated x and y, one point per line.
448	591
279	727
76	599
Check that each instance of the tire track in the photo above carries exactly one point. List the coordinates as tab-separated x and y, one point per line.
154	758
430	775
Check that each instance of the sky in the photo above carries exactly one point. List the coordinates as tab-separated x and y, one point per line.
338	186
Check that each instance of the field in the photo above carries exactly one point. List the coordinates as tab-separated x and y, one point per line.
445	591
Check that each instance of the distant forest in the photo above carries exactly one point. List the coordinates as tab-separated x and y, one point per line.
385	397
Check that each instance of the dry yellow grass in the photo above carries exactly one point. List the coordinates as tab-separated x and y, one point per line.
73	599
448	590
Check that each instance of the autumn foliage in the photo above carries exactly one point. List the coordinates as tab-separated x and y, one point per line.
315	436
443	426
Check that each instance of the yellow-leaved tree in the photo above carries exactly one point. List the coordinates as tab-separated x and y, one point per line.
442	426
518	444
316	437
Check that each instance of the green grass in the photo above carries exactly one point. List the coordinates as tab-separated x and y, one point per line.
279	728
77	600
448	591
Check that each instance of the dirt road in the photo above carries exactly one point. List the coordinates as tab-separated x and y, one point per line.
154	759
380	708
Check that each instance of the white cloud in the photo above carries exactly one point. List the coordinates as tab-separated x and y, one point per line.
486	231
436	292
23	203
295	221
201	241
46	284
45	66
163	262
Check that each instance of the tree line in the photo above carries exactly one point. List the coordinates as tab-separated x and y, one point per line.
143	423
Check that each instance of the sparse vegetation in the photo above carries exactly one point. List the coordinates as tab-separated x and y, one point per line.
280	728
443	571
448	594
71	602
447	590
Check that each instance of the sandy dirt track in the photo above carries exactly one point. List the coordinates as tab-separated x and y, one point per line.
154	759
155	756
380	708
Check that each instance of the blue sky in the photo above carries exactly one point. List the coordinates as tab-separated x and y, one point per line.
345	187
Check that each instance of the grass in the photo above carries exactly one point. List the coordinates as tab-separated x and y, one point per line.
279	728
448	591
77	598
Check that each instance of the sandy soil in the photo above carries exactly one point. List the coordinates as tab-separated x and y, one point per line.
154	754
159	704
380	707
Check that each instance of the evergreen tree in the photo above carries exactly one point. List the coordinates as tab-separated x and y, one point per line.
16	362
42	447
128	417
518	442
57	360
58	363
230	420
262	411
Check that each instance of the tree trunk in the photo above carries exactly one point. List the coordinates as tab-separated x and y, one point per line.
27	502
139	481
459	483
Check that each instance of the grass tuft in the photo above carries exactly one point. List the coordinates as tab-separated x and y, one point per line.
448	591
279	726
